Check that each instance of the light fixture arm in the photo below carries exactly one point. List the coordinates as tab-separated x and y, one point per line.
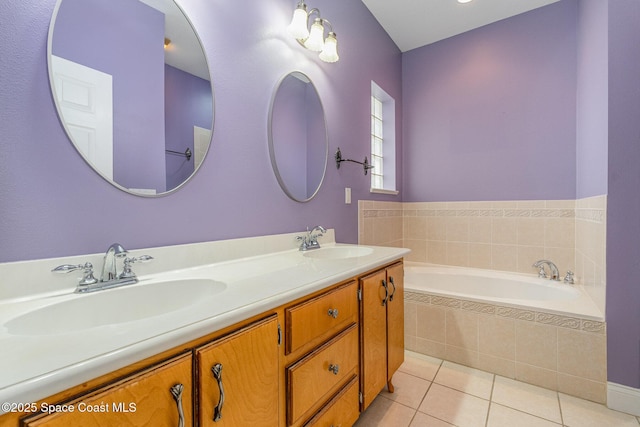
365	165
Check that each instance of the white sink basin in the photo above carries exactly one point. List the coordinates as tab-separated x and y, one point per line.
339	252
113	306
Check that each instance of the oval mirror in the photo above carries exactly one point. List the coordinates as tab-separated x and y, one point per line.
298	143
131	84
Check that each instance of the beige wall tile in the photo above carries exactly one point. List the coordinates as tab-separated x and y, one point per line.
537	344
527	255
431	322
415	227
436	252
462	329
582	388
418	250
537	376
562	257
530	231
430	348
559	232
480	229
458	254
410	318
497	336
458	229
437	228
461	355
504	257
504	367
479	255
582	354
504	231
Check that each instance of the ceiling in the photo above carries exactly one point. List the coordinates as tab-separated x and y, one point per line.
415	23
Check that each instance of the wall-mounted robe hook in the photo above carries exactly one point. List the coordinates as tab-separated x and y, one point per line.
187	153
364	164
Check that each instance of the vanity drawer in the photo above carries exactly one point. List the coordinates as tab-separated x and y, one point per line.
342	411
145	399
313	379
321	316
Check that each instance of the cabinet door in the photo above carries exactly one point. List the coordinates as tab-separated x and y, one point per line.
152	398
395	319
238	378
373	335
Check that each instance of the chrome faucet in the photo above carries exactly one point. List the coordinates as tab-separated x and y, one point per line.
555	274
310	241
110	266
109	277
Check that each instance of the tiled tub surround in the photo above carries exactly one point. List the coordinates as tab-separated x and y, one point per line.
504	235
562	353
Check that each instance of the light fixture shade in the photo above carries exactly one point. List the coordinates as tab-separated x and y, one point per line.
330	51
298	27
315	42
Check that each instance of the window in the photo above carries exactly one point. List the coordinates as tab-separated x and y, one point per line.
383	141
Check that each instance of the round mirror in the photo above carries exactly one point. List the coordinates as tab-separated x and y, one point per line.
132	88
298	143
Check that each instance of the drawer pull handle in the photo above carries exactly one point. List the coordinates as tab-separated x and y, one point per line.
176	392
333	312
217	374
394	288
386	292
334	368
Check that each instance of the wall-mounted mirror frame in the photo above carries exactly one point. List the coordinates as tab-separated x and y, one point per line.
154	144
298	136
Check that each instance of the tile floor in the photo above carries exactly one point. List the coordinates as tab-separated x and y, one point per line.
430	392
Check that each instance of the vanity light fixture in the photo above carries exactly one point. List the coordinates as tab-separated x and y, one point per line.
464	1
313	39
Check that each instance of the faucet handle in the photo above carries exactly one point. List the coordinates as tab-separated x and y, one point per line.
87	267
541	273
127	272
569	279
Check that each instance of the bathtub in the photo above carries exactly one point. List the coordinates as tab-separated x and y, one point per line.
497	288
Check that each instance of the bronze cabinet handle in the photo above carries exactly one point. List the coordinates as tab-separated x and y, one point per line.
176	392
394	288
217	374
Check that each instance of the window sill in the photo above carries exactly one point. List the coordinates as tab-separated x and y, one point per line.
383	191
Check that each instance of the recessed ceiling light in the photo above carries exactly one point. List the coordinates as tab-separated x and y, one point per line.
464	1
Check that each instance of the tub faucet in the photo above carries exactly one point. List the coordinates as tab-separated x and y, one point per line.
555	274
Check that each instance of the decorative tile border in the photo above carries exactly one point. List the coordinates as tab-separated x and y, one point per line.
591	215
494	213
584	325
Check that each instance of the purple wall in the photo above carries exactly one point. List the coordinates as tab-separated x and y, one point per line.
592	104
108	37
188	103
491	114
52	204
623	210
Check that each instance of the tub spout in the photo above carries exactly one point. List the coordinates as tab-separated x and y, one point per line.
555	274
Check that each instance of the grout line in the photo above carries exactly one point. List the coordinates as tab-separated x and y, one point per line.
493	386
560	407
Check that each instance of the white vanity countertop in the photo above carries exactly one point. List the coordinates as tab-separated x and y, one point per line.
33	367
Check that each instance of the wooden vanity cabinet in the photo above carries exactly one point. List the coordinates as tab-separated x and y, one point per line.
381	330
336	351
160	396
238	378
322	354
